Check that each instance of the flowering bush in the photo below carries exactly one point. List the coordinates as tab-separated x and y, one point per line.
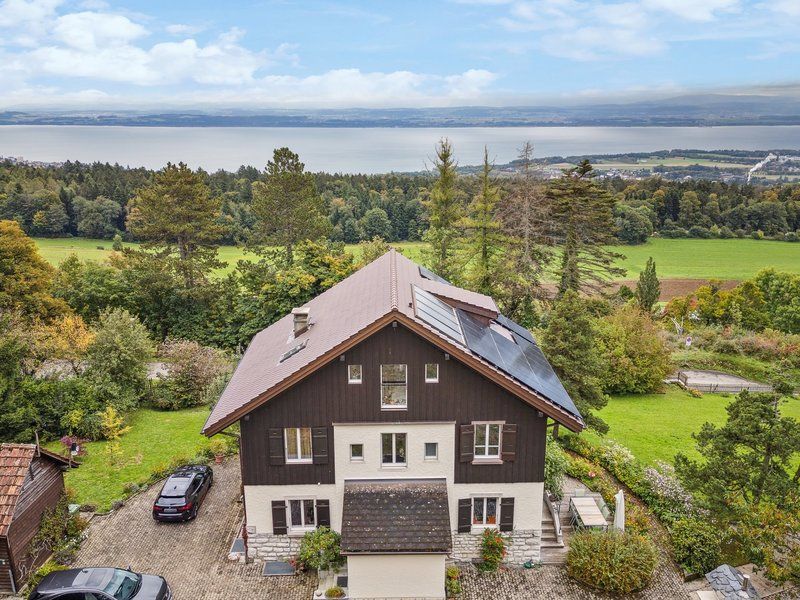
668	498
493	549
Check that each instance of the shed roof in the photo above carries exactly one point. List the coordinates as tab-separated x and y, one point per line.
375	295
15	460
408	515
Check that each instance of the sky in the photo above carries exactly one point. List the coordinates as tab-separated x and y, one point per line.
88	54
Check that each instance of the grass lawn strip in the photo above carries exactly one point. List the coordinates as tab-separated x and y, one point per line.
155	438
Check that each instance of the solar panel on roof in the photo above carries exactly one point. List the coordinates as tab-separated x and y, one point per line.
515	327
437	314
521	358
428	274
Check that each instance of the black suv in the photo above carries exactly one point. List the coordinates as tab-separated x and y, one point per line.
182	493
101	584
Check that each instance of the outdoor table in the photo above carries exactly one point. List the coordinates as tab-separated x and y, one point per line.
588	512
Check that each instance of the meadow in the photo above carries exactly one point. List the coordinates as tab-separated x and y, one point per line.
655	427
675	258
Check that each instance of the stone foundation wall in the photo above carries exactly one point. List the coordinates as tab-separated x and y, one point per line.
267	546
521	545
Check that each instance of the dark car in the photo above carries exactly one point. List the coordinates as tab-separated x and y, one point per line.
101	584
183	492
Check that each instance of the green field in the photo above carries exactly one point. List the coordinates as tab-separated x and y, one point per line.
657	426
675	259
155	438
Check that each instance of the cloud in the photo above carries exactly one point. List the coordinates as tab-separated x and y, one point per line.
183	29
89	31
693	10
786	7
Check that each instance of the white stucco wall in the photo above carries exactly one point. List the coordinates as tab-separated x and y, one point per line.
258	500
396	576
528	500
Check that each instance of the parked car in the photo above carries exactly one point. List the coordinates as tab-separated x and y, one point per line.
183	492
101	584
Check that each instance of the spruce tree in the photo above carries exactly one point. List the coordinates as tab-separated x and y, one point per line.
483	246
570	343
287	206
445	209
580	220
648	290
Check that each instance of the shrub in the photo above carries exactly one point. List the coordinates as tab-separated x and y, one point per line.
555	465
452	585
321	549
726	233
611	561
117	243
667	498
696	544
757	235
334	592
791	236
697	231
192	369
49	567
493	549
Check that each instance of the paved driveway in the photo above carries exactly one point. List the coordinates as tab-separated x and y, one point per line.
191	556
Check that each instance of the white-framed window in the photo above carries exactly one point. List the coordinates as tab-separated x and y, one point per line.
302	514
431	450
487	440
353	373
394	387
393	449
357	452
432	373
485	511
298	444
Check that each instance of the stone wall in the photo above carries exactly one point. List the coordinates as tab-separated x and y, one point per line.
267	546
521	545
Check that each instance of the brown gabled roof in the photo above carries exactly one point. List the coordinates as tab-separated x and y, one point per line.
15	460
404	515
344	315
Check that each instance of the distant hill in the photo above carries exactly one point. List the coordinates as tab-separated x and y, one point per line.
687	110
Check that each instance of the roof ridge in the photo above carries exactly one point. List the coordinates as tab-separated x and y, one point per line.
393	277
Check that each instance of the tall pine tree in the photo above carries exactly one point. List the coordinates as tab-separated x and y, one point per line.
581	222
482	250
177	216
444	204
570	345
286	204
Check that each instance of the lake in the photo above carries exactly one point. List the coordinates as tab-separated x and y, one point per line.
364	150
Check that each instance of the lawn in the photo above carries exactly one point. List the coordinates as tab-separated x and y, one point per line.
657	426
681	258
155	438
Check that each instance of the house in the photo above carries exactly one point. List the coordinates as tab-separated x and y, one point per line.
402	411
31	482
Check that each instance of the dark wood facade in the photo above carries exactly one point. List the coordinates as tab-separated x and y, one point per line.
325	397
41	491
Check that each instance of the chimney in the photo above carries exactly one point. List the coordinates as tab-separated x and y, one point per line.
302	319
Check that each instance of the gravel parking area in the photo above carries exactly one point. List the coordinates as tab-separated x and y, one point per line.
191	556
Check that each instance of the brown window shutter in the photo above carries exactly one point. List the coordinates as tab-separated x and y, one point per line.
279	517
464	515
509	451
323	513
319	445
506	514
276	454
467	443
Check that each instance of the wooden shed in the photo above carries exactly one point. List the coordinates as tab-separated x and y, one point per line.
31	481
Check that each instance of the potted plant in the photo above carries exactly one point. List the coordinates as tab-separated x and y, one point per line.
218	448
321	550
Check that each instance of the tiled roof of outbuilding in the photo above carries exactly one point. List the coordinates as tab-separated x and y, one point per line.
405	515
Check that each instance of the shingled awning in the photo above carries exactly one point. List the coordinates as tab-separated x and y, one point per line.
385	516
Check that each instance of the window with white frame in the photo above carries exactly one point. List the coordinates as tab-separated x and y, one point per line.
487	440
431	450
485	511
432	373
357	452
393	449
394	388
302	514
298	444
353	373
